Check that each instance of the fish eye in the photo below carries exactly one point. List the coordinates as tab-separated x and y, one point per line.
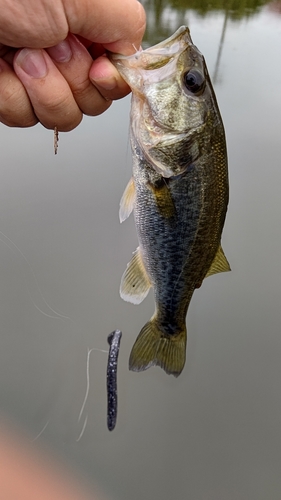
194	81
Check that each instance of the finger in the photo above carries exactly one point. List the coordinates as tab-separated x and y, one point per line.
120	26
107	79
74	62
15	106
117	25
48	91
32	23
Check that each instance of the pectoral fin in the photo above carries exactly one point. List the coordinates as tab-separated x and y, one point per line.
219	264
163	197
127	201
135	283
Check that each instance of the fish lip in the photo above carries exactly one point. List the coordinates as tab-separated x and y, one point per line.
165	48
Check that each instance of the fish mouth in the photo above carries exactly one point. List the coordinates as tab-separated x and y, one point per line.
162	48
141	71
157	57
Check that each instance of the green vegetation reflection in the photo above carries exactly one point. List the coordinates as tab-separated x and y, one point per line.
237	8
165	15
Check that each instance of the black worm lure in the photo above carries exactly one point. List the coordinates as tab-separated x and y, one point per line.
114	340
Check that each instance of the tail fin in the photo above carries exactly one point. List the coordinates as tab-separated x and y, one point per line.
153	348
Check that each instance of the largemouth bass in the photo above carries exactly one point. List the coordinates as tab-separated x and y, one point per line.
178	192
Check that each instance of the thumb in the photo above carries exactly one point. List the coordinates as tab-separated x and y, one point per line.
118	26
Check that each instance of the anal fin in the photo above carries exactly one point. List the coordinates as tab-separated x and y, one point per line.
220	263
135	283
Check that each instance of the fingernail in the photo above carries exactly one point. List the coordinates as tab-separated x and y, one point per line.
106	83
32	62
61	52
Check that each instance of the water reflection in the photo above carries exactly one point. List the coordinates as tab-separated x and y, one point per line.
215	76
165	16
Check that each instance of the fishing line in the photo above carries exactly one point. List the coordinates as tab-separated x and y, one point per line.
87	389
41	432
88	378
83	429
40	310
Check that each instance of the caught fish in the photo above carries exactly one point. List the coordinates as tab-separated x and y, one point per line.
178	192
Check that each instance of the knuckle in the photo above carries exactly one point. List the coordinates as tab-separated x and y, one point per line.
92	103
65	120
54	103
15	107
63	127
80	87
101	107
18	121
55	109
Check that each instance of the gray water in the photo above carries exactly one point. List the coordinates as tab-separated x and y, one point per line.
215	432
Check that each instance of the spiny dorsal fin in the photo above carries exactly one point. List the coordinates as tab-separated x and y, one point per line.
135	283
127	201
219	264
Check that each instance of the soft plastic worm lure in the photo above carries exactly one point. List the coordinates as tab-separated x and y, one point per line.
113	339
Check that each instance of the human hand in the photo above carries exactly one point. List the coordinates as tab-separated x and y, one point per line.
28	472
60	77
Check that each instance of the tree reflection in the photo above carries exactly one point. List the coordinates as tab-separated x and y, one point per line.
237	8
165	16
